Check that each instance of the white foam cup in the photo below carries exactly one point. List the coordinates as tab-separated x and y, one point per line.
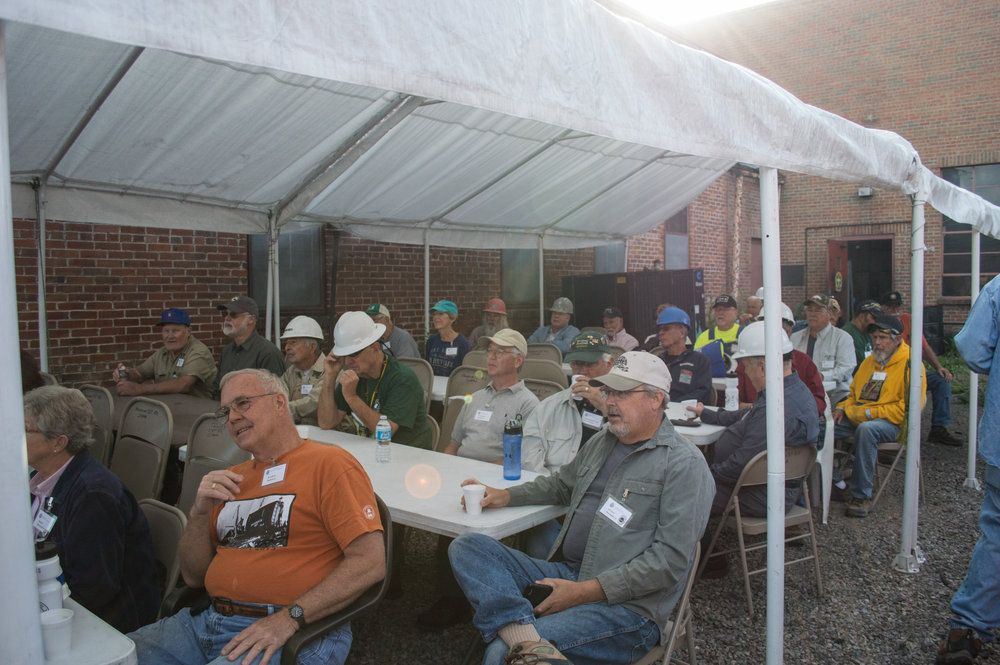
473	495
57	629
572	381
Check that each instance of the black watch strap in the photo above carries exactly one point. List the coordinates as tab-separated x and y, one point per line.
296	612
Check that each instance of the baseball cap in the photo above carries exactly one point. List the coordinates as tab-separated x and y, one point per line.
587	347
633	369
725	300
240	304
871	307
892	299
377	309
817	299
496	306
506	337
446	306
834	305
562	304
612	313
887	324
174	315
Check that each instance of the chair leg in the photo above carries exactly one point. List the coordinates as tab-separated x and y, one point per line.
812	541
743	558
888	475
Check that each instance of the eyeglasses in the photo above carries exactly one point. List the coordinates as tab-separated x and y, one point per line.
608	393
239	405
497	353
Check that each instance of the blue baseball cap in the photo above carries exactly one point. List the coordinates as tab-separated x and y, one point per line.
175	315
446	306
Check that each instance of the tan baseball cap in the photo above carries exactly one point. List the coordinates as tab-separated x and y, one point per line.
634	369
506	337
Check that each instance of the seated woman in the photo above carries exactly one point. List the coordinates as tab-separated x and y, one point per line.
101	535
446	349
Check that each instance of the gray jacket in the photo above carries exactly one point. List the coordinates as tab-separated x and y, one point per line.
667	486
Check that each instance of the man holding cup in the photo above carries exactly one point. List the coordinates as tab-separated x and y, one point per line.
613	587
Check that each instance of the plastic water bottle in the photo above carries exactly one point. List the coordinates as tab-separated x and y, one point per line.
512	449
49	572
383	436
732	395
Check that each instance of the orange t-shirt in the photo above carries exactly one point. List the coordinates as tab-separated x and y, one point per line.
278	539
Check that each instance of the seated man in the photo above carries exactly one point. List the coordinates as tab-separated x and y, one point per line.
279	541
248	350
397	340
563	423
371	383
690	371
831	349
494	320
614	326
99	531
560	332
304	376
876	407
182	365
638	497
865	315
726	312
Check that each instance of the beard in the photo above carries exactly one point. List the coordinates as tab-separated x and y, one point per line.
620	430
882	356
490	330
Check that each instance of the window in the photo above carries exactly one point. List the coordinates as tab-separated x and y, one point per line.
300	269
956	279
609	258
675	242
519	276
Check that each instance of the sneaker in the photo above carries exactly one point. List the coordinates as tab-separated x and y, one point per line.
540	652
939	434
959	647
859	507
444	613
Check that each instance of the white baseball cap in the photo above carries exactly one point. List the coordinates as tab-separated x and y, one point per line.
634	369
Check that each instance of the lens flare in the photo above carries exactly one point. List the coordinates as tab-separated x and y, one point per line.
422	481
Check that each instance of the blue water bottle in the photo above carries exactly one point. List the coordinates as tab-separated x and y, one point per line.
512	449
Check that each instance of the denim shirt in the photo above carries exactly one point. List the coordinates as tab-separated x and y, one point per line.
562	338
977	342
667	487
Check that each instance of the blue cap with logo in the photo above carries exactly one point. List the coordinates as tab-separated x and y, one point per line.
174	315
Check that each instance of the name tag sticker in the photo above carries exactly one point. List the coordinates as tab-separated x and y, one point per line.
180	362
616	512
685	376
483	415
878	376
592	420
43	523
273	474
868	352
306	388
829	364
451	351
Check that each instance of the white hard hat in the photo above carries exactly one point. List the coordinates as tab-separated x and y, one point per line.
303	326
355	331
751	341
786	314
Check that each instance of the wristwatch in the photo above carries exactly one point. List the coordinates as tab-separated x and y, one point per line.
298	614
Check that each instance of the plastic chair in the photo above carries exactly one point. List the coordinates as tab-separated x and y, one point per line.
435	431
546	370
103	406
545	351
475	358
166	526
425	374
541	388
142	447
465	380
680	627
209	448
361	605
799	461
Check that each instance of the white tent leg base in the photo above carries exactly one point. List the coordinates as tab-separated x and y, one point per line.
909	563
972	484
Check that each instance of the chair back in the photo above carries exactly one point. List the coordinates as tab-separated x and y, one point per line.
541	388
546	370
600	330
475	358
435	431
210	438
142	447
425	374
452	407
465	380
799	461
166	526
103	407
48	379
544	351
680	626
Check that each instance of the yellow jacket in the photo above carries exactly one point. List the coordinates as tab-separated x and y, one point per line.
879	391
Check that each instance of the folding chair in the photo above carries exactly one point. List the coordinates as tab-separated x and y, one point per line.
103	407
166	526
209	448
799	461
680	627
546	370
465	380
897	450
545	351
452	407
425	374
541	388
142	447
435	431
475	358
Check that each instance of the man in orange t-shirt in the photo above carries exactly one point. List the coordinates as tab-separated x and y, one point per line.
286	538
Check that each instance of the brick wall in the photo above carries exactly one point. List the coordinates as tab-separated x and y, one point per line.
645	251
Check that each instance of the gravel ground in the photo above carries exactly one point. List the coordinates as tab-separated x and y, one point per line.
868	613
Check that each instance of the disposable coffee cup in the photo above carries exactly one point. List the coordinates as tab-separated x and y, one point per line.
473	495
303	431
572	382
57	629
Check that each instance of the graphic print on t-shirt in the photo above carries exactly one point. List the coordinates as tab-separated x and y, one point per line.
255	523
873	388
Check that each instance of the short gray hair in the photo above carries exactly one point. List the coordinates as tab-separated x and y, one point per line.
653	390
56	410
269	381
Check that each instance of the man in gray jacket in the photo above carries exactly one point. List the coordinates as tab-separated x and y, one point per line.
638	498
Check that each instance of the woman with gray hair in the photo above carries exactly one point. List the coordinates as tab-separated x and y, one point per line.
101	535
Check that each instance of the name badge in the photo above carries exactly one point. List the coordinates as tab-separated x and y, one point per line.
273	474
43	524
451	351
592	420
878	376
868	352
616	512
685	376
828	364
483	415
306	388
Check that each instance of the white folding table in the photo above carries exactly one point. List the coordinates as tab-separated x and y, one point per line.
94	642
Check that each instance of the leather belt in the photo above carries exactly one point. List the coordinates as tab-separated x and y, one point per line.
227	607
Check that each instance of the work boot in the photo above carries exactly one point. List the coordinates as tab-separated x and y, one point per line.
939	434
959	647
540	652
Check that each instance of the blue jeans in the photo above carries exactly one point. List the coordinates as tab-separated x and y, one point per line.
867	436
940	399
493	577
976	605
183	639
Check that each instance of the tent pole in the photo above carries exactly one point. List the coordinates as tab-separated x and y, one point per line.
427	282
970	480
20	626
541	279
43	319
774	384
277	288
910	557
